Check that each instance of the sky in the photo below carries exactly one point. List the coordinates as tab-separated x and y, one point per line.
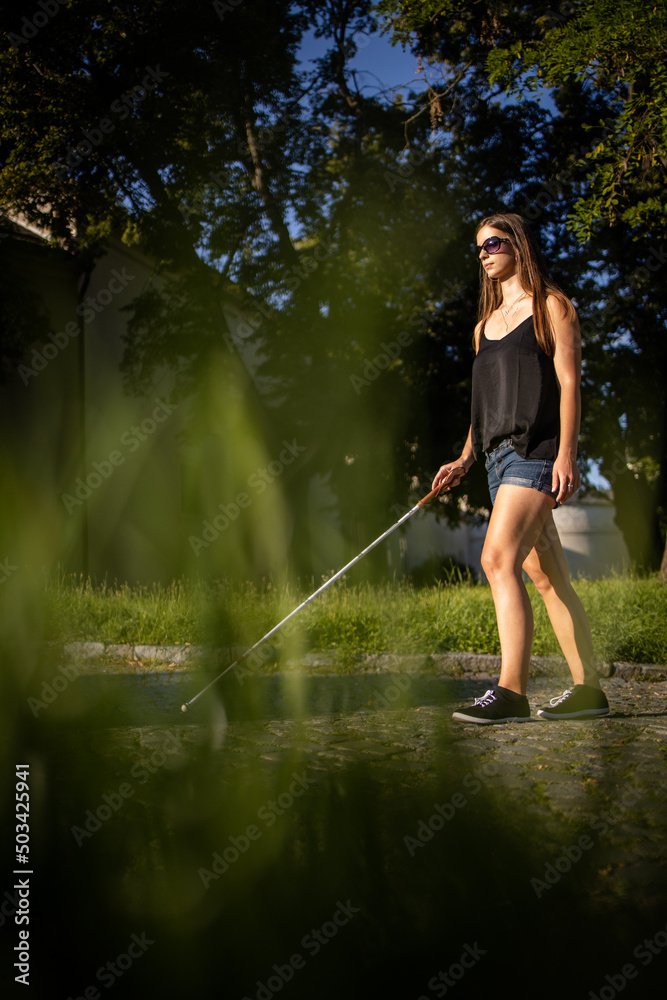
379	64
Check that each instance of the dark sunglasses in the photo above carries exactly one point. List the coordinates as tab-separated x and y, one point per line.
492	245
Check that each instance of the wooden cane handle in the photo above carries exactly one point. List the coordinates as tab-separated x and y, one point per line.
434	494
430	497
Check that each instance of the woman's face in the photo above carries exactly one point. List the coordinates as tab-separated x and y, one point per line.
501	264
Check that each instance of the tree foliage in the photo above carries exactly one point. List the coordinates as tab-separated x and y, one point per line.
611	51
597	166
340	222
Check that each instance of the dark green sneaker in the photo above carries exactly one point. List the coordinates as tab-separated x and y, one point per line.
579	702
494	707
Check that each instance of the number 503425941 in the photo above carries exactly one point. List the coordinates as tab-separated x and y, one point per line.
22	812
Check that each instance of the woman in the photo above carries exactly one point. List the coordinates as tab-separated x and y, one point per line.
525	420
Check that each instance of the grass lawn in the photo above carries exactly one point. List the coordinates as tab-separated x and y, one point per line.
628	616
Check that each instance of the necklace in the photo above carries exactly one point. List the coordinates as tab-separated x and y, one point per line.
506	314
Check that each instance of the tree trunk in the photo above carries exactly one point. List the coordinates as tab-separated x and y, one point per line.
636	516
258	176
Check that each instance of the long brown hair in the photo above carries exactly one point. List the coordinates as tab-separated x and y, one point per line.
534	277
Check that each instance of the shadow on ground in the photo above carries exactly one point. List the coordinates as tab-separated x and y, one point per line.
167	863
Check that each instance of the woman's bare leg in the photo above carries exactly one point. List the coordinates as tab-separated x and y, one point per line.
547	567
517	520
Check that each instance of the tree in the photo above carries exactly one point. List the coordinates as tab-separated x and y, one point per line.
339	222
615	50
608	51
179	127
249	183
601	67
401	217
615	53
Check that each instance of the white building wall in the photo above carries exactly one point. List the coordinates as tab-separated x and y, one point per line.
592	542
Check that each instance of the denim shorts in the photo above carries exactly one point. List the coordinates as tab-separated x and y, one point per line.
503	465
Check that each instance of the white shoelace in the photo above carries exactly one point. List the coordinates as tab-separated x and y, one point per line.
486	699
560	698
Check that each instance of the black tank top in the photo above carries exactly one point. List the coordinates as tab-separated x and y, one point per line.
515	394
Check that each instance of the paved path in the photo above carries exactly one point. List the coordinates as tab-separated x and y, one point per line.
604	776
362	792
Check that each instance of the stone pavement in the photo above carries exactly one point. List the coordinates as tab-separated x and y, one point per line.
606	776
442	839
